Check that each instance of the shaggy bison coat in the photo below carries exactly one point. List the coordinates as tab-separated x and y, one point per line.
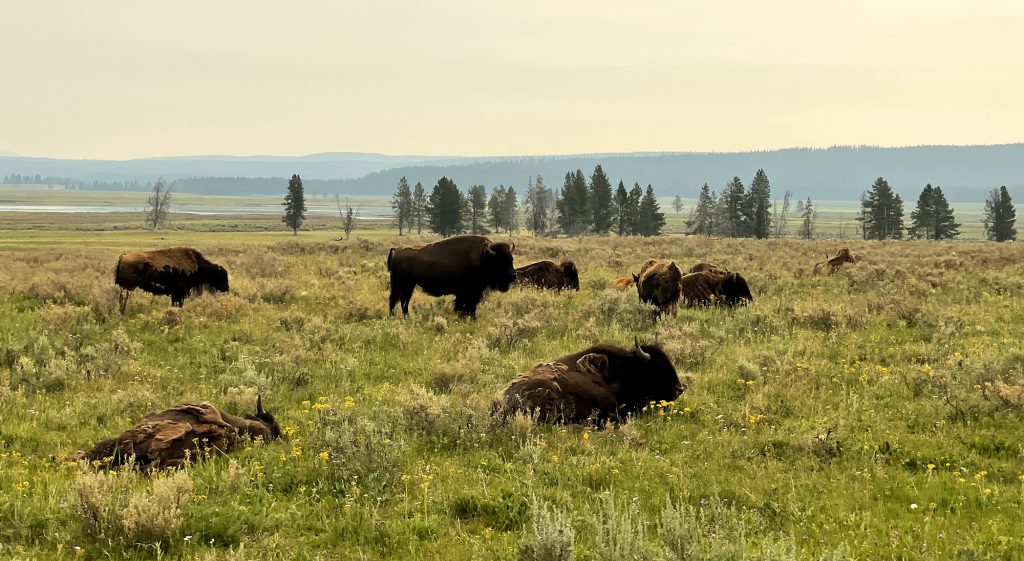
177	271
466	266
658	284
599	384
549	275
188	430
710	267
713	287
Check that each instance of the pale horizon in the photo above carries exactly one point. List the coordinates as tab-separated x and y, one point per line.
118	81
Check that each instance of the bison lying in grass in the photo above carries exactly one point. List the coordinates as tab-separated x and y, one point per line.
600	384
466	266
549	275
186	431
176	271
709	287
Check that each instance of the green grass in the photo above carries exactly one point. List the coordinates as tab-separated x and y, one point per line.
809	428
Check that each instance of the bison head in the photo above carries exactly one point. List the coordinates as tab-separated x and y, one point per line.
570	275
498	265
735	290
266	419
646	374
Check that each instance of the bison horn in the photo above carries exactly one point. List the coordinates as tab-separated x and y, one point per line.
640	352
259	405
513	250
489	250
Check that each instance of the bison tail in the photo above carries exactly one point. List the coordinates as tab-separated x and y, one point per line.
817	268
623	283
391	253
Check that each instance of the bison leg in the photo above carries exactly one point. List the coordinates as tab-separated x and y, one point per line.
178	300
466	304
122	299
392	300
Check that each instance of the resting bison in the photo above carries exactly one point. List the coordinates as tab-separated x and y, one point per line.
178	271
835	263
466	266
188	430
710	287
598	384
546	274
658	284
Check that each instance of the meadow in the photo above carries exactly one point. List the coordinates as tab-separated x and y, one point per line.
875	414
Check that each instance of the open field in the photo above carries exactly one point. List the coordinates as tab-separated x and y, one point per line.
876	414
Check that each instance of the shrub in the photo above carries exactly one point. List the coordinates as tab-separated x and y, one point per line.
549	538
714	533
621	534
111	510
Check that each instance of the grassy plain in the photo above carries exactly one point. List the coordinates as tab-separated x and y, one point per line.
876	414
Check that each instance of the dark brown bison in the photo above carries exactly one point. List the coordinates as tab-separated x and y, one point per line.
466	266
549	275
658	284
177	271
599	384
835	263
186	431
709	287
705	266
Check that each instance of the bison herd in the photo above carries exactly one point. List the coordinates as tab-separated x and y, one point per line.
600	384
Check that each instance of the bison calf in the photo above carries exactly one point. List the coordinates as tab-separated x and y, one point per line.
466	266
549	275
599	384
172	437
177	271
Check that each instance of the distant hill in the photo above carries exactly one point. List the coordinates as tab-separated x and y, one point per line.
4	153
966	173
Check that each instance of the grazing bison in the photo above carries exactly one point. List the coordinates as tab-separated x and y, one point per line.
599	384
709	287
177	271
658	284
466	266
188	430
547	274
835	263
710	267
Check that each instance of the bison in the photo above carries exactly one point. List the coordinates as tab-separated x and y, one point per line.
658	284
177	271
547	274
705	266
466	266
835	263
599	384
708	287
185	431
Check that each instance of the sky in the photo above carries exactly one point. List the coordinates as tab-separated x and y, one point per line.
127	79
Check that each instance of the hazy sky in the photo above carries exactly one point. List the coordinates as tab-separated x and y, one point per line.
125	79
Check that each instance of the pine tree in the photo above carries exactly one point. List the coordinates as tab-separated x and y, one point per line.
946	227
757	215
401	206
602	213
731	204
573	207
446	208
294	205
621	203
636	195
933	219
419	208
702	220
510	208
496	207
652	220
538	207
1000	216
807	223
882	212
477	209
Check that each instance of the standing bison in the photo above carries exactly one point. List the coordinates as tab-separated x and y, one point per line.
177	271
708	287
549	275
600	384
658	284
466	266
172	437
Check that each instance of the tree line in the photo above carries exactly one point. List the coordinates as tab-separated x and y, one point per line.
580	207
738	212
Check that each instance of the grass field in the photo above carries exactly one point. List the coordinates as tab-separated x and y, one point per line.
876	414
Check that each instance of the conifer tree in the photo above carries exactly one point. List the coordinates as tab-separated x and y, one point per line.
933	218
731	204
807	220
636	195
652	220
702	219
294	205
882	212
510	208
477	209
496	208
1000	216
573	207
600	195
401	206
419	208
621	203
446	208
538	205
757	215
